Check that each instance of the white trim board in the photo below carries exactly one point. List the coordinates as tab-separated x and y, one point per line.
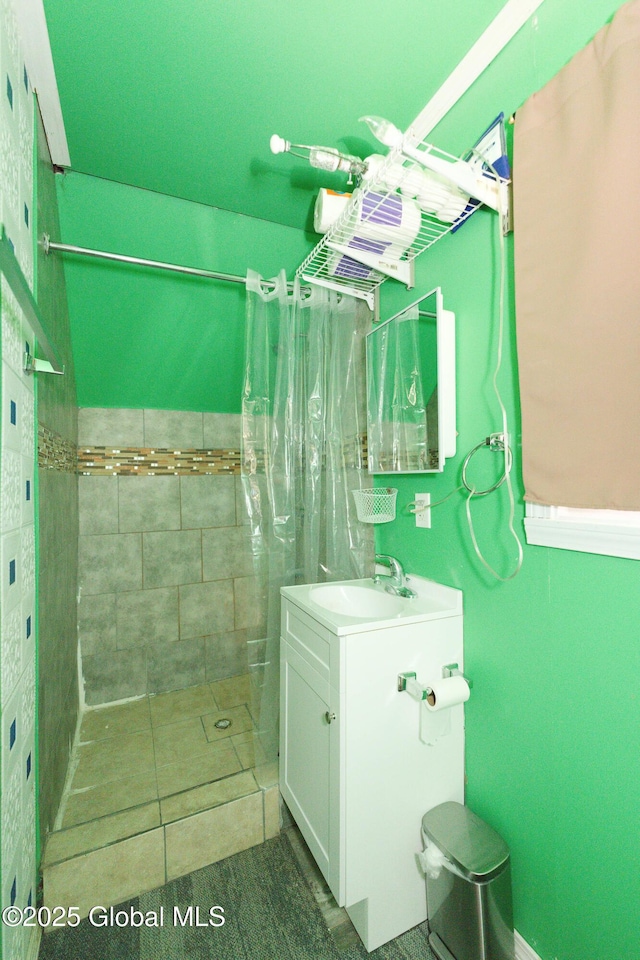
34	39
523	950
500	31
605	532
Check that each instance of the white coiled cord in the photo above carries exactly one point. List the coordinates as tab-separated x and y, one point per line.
495	441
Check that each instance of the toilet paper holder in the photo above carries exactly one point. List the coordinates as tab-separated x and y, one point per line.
408	683
453	670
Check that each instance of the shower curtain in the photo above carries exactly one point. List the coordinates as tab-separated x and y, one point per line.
398	435
303	437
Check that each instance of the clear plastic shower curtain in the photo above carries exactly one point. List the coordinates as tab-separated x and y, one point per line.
303	433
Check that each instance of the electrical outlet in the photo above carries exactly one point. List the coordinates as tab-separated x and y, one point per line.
423	510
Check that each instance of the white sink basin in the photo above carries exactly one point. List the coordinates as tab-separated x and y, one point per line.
354	600
354	606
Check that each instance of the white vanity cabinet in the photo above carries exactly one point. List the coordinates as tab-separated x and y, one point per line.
310	748
354	771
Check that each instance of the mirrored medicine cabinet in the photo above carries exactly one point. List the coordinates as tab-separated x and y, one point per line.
411	396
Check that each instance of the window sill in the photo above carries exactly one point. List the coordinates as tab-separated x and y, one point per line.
588	531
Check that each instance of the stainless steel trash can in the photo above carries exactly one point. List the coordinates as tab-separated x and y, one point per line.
468	886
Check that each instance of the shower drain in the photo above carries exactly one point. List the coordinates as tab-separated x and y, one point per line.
222	724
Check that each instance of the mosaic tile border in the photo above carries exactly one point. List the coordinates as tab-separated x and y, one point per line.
148	462
56	453
97	461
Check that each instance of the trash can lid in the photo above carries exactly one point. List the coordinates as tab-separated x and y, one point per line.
467	841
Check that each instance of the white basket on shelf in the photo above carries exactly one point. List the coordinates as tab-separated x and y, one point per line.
376	505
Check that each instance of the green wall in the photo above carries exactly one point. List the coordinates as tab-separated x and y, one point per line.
148	338
552	722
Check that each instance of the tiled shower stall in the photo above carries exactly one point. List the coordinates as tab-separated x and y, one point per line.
167	772
166	585
131	620
167	607
132	583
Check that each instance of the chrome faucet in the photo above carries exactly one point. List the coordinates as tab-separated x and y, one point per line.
394	581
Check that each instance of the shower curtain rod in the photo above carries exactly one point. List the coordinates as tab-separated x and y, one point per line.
49	245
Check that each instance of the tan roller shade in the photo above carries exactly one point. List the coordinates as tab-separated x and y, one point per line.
576	180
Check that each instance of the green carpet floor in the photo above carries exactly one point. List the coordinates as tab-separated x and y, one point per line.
269	910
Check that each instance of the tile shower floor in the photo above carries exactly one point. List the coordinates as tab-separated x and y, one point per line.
156	790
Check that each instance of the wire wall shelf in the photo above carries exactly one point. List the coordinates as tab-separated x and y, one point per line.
407	201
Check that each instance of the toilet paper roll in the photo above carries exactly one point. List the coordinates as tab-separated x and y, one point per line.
329	206
446	693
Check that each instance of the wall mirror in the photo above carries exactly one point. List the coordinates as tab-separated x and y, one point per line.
411	402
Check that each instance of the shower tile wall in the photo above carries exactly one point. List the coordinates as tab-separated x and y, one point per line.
57	518
166	575
17	526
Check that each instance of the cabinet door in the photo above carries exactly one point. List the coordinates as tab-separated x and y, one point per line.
305	751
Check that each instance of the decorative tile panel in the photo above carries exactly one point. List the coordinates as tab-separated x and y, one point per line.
148	462
26	146
27	424
11	328
11	570
28	559
11	31
17	544
28	839
12	738
11	500
9	161
54	452
11	814
10	662
11	659
12	393
28	690
25	259
27	490
27	631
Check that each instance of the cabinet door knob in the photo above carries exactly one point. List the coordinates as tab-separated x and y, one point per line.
329	716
